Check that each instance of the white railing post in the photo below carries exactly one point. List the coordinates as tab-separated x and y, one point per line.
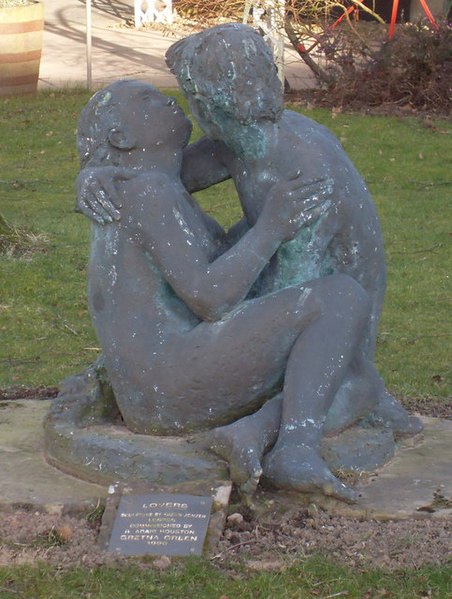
153	11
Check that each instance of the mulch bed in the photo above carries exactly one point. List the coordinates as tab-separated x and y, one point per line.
270	542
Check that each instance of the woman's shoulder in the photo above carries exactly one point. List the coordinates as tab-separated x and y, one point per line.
154	192
153	177
155	183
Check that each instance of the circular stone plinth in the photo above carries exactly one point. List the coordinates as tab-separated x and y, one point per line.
359	449
107	453
416	483
85	438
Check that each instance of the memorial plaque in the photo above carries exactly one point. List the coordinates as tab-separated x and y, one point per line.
160	524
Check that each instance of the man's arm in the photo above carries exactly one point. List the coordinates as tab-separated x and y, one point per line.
203	165
97	196
233	234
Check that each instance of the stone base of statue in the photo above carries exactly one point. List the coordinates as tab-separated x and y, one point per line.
85	437
415	484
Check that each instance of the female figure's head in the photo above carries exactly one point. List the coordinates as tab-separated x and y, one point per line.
125	116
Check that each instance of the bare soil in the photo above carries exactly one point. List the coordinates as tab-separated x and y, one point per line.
262	544
265	540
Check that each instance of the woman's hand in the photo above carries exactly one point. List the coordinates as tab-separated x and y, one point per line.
295	203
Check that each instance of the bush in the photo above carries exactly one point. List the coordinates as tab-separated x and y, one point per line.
414	69
206	11
355	63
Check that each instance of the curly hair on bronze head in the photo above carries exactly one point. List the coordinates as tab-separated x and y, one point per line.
102	119
229	69
96	120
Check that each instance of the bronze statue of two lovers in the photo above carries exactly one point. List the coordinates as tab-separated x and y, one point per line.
264	334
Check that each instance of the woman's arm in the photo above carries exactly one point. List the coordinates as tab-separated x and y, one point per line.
211	289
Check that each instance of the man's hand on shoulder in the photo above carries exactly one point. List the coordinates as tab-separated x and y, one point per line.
97	193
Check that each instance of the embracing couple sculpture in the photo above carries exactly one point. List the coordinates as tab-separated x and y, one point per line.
265	334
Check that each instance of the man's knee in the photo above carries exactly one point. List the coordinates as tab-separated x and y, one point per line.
345	295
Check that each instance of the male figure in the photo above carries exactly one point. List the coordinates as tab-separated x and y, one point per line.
229	78
183	349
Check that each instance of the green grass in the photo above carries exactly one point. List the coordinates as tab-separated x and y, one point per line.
46	332
313	577
44	322
408	168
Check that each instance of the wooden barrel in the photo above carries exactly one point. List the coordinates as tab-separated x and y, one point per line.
20	48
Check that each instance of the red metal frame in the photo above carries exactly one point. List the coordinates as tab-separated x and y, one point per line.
392	24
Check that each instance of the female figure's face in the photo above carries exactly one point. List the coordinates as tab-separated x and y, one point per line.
152	119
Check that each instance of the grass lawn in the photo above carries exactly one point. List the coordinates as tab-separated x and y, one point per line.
44	321
46	332
197	579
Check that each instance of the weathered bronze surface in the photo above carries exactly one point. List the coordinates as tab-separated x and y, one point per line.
261	338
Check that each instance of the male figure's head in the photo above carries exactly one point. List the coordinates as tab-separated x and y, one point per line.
129	115
228	74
